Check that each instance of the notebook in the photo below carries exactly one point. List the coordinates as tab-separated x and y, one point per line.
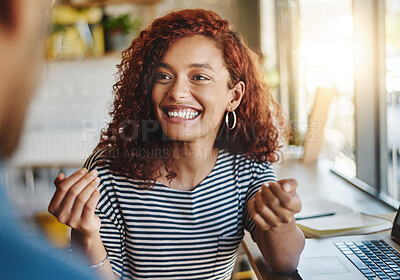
325	218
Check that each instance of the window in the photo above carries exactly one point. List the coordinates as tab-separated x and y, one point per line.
325	59
315	48
353	45
392	42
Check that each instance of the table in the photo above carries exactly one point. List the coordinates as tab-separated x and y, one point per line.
317	181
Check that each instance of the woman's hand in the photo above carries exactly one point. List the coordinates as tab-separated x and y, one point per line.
279	239
75	200
275	204
73	204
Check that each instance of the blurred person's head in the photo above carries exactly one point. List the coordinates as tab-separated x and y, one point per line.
22	29
138	141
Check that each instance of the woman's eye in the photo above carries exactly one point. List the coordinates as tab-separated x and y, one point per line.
162	77
200	78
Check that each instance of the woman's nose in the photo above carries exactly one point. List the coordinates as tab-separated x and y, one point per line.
179	89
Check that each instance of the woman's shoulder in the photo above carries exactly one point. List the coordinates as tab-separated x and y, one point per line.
249	168
102	160
243	159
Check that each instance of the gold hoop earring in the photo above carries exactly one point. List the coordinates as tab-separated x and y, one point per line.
227	120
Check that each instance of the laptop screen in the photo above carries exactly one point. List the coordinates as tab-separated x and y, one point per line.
395	235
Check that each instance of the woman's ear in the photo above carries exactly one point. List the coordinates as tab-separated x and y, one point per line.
236	95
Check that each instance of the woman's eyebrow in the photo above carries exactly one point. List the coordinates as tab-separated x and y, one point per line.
201	65
191	65
165	65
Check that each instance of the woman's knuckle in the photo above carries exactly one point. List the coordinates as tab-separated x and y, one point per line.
293	182
73	223
89	208
294	205
259	206
256	196
62	186
73	192
62	219
265	227
276	222
80	199
93	186
51	209
253	214
266	211
274	201
88	179
287	203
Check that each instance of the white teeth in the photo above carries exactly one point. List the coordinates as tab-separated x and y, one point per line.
185	114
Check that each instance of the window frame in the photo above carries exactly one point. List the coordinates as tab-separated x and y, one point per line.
370	100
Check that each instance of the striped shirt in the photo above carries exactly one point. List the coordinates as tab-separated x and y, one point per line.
163	233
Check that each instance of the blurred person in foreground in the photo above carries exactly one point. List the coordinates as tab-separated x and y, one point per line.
22	30
184	167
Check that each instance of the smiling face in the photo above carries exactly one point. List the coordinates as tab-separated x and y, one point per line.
191	93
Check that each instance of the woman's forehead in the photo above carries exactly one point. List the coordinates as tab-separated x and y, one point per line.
194	51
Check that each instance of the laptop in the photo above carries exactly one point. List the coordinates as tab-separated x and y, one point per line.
373	256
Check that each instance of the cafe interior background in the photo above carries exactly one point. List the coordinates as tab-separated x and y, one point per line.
347	51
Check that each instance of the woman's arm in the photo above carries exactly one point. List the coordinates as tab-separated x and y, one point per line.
74	203
279	239
93	247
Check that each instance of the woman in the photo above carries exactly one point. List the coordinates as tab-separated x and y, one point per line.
184	167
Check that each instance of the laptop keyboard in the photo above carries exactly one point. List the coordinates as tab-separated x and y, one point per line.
375	258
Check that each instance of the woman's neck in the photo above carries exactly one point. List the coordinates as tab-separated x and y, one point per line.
192	163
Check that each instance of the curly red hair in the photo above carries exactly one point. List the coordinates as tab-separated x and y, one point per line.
134	138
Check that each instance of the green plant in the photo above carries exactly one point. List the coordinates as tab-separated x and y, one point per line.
123	23
56	28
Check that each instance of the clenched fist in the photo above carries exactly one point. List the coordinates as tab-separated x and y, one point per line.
75	200
275	204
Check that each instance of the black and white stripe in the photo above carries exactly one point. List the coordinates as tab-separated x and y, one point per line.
162	233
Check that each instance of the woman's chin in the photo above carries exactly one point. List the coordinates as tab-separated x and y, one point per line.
184	133
180	137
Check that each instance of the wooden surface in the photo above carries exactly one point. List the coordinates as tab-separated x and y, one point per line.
316	181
